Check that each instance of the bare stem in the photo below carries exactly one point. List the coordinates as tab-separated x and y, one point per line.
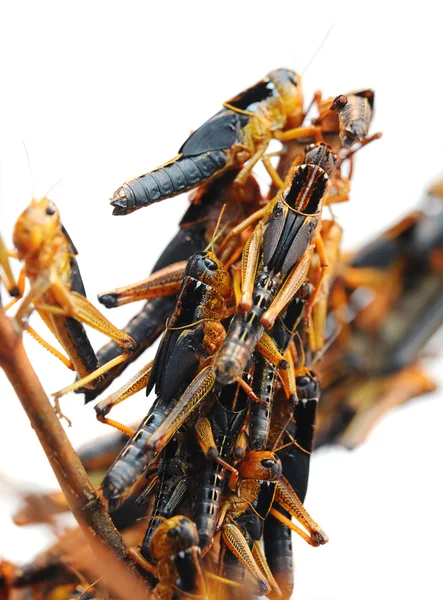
85	504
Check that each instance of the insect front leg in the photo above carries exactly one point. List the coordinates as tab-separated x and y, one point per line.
258	154
205	439
20	289
134	385
245	224
38	288
272	171
7	277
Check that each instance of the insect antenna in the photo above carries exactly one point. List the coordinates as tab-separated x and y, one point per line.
215	236
317	51
28	161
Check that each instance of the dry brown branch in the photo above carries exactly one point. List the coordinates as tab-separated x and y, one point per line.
83	500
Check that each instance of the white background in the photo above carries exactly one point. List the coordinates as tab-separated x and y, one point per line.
101	94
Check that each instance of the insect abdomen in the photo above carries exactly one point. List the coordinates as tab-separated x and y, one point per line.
168	181
133	460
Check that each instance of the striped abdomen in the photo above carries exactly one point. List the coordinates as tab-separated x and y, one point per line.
260	416
134	459
278	551
171	488
211	476
175	178
245	331
355	118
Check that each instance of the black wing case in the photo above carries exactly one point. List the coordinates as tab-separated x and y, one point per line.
204	155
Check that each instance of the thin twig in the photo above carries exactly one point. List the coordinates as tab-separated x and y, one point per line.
85	504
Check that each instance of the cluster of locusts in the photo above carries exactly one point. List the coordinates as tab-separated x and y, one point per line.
257	308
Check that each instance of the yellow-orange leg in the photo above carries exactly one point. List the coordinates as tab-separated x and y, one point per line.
164	282
287	498
339	191
51	349
262	564
300	132
38	288
79	308
91	376
8	278
389	393
288	289
267	348
137	557
205	439
196	391
245	224
88	314
321	251
249	391
222	580
272	172
251	255
236	543
134	385
247	168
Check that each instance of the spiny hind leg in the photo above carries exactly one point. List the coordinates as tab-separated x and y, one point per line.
250	259
68	363
262	563
194	394
88	314
287	498
237	544
92	376
165	282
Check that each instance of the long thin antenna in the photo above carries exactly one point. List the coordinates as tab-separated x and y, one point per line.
28	161
211	243
53	186
311	60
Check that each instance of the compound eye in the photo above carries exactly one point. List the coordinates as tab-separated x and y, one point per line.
210	264
310	147
50	209
303	381
268	463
